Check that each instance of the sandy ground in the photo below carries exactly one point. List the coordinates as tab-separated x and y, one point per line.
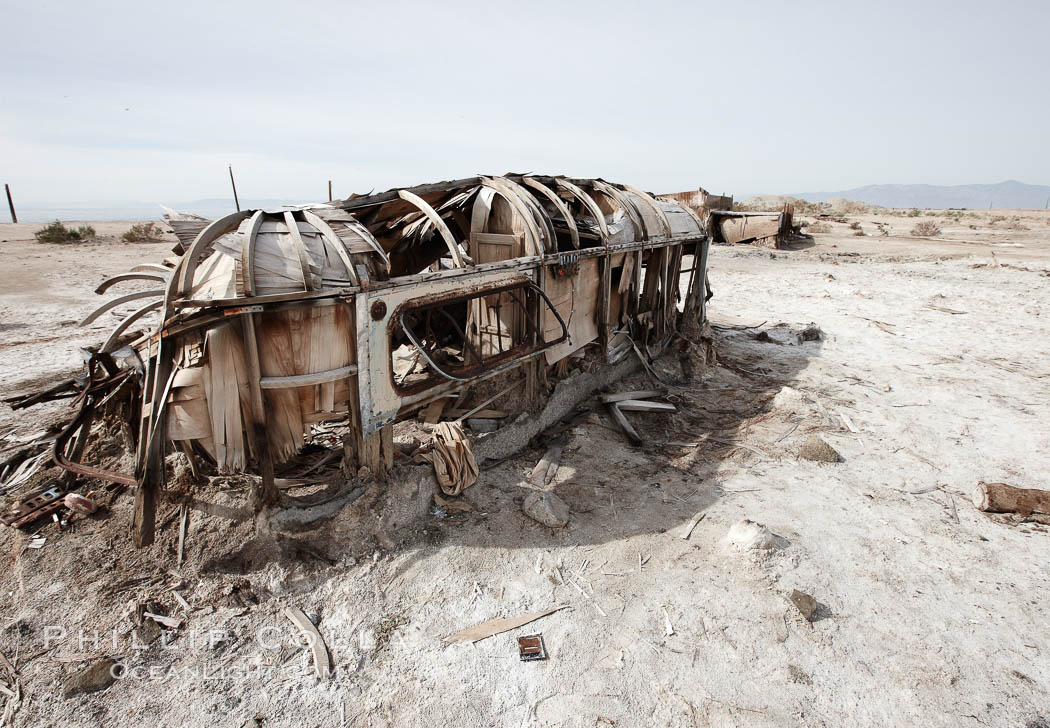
930	613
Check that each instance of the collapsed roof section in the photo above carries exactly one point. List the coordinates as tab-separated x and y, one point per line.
366	310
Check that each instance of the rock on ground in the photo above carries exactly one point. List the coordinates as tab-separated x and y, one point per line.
546	508
814	448
96	676
748	535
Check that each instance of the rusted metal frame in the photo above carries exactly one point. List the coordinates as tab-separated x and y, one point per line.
481	366
515	264
530	317
413	402
426	357
560	206
438	223
463	334
499	324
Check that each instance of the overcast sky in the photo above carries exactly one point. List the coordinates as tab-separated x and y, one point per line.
143	101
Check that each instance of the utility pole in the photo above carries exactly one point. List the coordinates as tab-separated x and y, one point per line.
233	184
10	203
329	190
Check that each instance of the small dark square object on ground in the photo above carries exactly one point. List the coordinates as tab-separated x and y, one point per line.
531	647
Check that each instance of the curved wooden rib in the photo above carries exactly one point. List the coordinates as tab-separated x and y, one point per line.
628	207
695	215
651	201
527	218
183	280
106	284
300	249
114	336
359	228
117	302
248	254
591	205
329	234
538	213
435	219
560	205
146	267
305	380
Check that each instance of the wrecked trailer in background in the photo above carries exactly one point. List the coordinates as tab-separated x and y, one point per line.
765	229
365	311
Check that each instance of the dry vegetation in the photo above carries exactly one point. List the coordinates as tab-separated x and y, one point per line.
144	232
926	229
56	232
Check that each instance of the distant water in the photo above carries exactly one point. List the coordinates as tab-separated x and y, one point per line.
99	212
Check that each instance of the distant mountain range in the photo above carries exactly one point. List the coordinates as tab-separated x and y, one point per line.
1003	195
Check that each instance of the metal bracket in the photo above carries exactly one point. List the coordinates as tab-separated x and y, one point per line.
241	310
568	265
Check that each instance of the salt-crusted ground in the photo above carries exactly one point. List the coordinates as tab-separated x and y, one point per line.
930	613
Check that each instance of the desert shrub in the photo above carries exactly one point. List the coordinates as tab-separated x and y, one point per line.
56	232
819	227
854	226
143	232
913	213
1005	223
926	229
858	233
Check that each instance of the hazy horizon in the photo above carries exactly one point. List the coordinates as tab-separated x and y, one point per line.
127	103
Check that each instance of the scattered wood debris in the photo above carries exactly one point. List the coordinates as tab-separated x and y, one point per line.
502	624
318	648
453	460
1003	498
688	530
633	402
